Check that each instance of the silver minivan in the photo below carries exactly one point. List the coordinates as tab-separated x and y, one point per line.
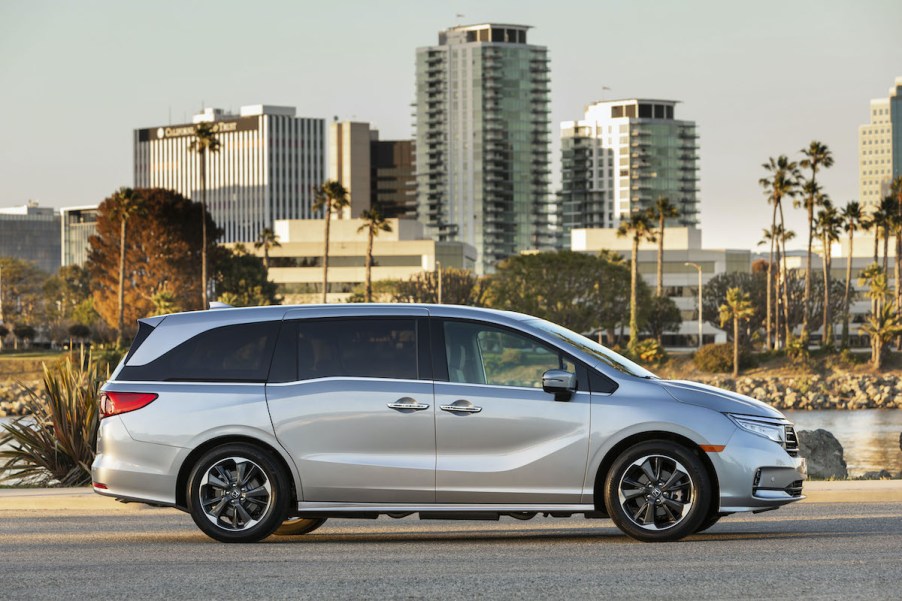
273	419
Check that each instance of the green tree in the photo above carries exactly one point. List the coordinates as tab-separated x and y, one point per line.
330	197
25	333
373	222
204	143
459	287
638	228
662	211
896	192
781	182
851	217
817	156
22	291
886	221
828	226
882	323
753	284
737	308
267	239
241	278
125	205
662	315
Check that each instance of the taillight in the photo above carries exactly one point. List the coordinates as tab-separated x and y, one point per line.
114	403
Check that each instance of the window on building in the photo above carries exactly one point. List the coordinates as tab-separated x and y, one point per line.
645	111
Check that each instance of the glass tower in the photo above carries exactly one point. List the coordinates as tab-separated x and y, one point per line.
621	158
482	141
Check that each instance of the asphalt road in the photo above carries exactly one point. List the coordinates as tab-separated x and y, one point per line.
823	551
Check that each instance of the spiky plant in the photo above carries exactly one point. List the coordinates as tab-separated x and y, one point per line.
54	444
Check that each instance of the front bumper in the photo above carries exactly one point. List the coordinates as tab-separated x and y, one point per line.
757	474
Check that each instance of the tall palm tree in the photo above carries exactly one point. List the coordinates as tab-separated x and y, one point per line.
781	183
896	192
885	216
738	307
639	228
828	226
817	156
851	217
266	240
662	210
777	236
204	143
331	197
125	205
373	222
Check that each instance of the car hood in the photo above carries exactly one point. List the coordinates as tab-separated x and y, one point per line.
717	399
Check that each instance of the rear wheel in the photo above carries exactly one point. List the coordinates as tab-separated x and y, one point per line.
658	491
237	493
298	526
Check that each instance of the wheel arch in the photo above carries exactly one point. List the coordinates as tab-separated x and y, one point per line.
191	459
640	437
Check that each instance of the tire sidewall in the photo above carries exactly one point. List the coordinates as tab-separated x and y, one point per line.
275	513
701	495
299	526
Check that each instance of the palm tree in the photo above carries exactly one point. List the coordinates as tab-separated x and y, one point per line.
331	197
266	240
777	236
125	205
851	217
883	322
738	307
638	226
662	210
373	222
885	215
896	191
828	226
782	183
817	155
204	142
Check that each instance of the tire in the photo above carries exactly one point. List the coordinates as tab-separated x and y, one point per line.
658	491
709	521
298	526
238	493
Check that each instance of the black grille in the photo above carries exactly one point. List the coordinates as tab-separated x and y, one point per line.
792	443
794	489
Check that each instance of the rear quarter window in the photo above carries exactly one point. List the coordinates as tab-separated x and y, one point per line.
234	353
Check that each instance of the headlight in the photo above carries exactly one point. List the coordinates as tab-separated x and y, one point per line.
760	426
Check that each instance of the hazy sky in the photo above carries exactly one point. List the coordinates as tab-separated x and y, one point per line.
760	78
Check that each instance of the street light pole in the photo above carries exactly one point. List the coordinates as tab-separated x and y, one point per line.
699	268
438	269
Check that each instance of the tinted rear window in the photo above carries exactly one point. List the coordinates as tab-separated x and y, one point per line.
363	348
236	353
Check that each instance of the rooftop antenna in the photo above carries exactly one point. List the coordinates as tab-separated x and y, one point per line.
170	114
603	90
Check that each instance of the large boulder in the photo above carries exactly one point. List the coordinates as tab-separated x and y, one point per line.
824	454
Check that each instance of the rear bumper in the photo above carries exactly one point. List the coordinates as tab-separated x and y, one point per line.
756	474
133	470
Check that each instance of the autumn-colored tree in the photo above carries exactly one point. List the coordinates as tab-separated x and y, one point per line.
162	255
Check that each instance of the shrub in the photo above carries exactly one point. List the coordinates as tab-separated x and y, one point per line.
56	441
718	358
650	352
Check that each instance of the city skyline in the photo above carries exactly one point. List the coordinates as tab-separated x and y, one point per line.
773	77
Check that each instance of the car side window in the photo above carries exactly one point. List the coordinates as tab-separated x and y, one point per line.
482	354
363	348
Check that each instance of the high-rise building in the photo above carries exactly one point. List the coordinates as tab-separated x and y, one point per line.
392	178
349	163
880	147
78	224
267	166
621	157
482	141
31	233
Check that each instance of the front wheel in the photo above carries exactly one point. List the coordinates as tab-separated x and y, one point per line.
237	493
658	491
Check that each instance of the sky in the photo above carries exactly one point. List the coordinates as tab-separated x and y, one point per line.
759	78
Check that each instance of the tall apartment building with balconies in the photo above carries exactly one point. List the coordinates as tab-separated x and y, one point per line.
621	157
482	141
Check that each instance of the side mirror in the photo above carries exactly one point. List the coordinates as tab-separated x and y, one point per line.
560	383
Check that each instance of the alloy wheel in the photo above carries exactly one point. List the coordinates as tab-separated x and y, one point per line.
656	492
235	494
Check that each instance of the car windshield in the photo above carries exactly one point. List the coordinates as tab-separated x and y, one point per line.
589	346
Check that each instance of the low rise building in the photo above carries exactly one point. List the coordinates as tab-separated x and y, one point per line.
78	224
296	265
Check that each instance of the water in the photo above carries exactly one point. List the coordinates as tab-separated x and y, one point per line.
870	437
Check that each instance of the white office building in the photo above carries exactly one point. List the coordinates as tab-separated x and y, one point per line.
880	148
267	166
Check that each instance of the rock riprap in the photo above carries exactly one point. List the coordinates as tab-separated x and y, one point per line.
844	391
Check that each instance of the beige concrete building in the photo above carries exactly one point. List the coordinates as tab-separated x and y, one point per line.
296	265
681	245
878	161
349	163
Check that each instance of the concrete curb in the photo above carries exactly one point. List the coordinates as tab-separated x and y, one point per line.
85	500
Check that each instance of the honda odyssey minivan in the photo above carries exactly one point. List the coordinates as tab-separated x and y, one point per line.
273	419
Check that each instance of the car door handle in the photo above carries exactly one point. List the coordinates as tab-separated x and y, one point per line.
408	403
468	408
